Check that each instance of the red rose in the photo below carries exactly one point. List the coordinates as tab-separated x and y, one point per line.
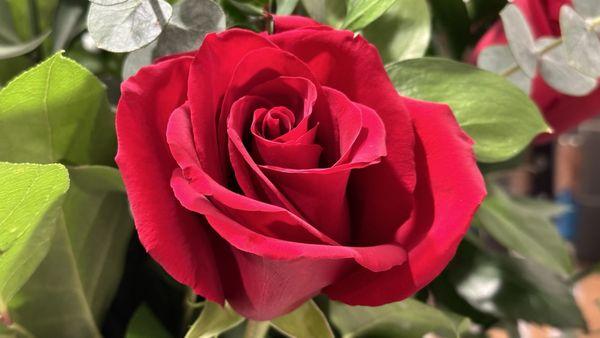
560	110
266	169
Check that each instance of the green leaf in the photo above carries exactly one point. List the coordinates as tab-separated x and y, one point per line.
362	12
408	318
307	321
72	288
213	321
191	21
56	112
127	26
328	12
144	324
525	230
7	28
581	43
286	7
12	50
500	118
520	38
512	288
21	16
31	200
455	23
70	21
403	32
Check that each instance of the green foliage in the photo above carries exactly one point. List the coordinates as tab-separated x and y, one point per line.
360	13
511	288
408	318
500	118
31	200
12	50
307	321
525	228
213	321
144	324
403	32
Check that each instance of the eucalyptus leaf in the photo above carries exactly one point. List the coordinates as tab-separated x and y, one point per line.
511	288
581	42
408	318
500	118
520	39
360	13
587	8
403	32
191	21
31	200
12	50
213	321
128	26
144	324
72	288
56	111
524	230
286	7
108	2
558	74
307	321
499	59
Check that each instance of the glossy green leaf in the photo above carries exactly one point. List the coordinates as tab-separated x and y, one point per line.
403	32
31	201
452	17
499	117
408	318
307	321
581	42
520	38
525	231
12	50
360	13
56	111
213	321
127	26
144	324
69	293
512	288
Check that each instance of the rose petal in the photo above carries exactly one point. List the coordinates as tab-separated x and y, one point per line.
445	201
210	75
146	166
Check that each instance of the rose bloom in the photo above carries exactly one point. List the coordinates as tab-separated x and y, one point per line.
561	111
263	170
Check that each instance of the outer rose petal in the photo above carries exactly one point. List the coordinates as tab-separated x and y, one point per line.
284	23
563	112
449	191
176	238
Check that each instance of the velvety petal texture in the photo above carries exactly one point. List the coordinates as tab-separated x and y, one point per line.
561	111
266	169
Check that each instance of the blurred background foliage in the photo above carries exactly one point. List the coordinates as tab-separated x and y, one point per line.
513	266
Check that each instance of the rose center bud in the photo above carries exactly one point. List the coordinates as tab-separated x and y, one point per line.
276	122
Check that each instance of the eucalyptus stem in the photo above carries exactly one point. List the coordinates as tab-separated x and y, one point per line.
593	24
256	329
